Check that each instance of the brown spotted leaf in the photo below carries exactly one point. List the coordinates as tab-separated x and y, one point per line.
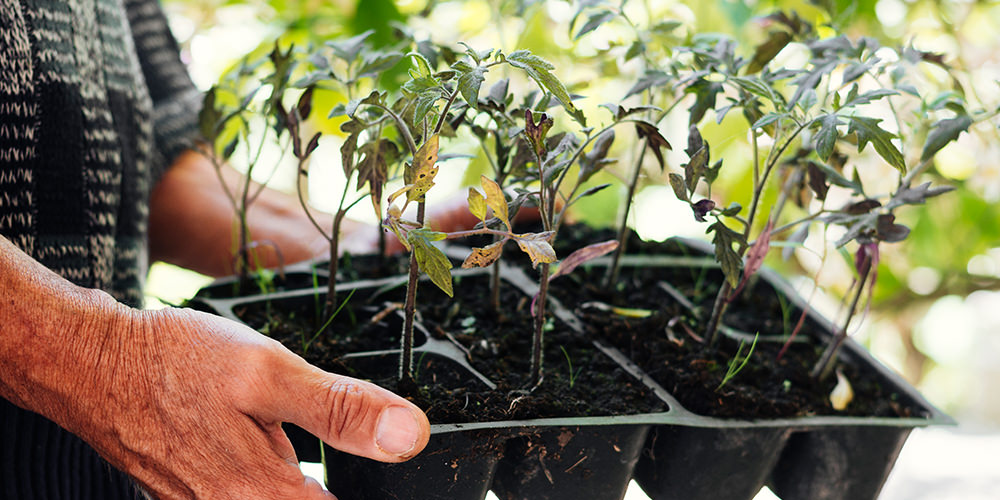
485	256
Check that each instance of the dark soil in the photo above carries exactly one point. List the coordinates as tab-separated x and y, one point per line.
658	333
667	345
498	347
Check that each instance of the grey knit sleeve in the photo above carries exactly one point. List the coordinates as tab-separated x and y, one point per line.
176	101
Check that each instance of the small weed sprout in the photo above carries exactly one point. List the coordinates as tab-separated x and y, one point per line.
738	362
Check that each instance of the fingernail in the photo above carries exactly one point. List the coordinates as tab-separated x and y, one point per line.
397	431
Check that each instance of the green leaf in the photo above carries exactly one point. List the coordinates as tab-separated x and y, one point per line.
634	50
430	259
868	130
594	21
827	136
766	120
724	239
943	132
541	71
378	62
537	246
705	92
649	80
422	68
349	49
478	56
470	79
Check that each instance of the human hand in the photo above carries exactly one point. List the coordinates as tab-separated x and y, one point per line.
190	405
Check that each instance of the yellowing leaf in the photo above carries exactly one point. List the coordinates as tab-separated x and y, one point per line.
537	246
842	393
477	204
496	199
420	175
483	257
430	259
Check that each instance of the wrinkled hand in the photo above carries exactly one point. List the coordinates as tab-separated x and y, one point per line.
190	405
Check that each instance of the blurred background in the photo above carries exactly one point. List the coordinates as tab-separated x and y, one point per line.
935	317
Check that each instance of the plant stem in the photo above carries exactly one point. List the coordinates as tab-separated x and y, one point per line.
410	310
623	230
825	364
537	338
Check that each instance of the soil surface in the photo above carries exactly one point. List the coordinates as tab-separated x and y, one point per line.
641	316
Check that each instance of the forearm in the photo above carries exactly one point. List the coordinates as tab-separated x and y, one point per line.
49	330
192	222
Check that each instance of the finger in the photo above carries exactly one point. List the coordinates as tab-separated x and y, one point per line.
350	415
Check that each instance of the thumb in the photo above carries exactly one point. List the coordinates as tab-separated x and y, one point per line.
353	416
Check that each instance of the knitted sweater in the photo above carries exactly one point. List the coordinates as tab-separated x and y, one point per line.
94	104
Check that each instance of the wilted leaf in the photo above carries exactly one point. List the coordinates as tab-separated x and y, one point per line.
942	133
817	180
583	255
890	232
485	256
654	140
537	246
430	259
536	132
